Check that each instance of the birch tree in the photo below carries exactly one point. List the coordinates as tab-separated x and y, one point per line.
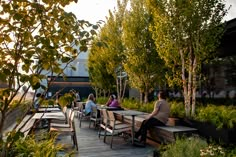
101	80
112	46
186	33
142	63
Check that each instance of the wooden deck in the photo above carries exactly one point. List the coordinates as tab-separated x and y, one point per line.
91	146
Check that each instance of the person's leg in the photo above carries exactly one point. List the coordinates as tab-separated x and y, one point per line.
147	125
98	114
138	133
88	114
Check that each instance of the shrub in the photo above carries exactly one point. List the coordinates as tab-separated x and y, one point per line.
147	107
131	104
231	151
136	105
177	109
184	147
102	100
220	116
16	145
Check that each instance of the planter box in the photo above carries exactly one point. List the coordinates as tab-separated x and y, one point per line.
156	153
210	132
172	121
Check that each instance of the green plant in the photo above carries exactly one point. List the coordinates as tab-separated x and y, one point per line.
189	147
220	116
102	100
43	145
231	151
131	104
39	40
148	107
177	109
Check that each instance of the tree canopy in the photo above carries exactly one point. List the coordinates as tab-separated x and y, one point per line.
37	40
142	62
186	33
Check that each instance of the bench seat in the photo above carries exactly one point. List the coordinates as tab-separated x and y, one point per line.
167	134
26	125
161	134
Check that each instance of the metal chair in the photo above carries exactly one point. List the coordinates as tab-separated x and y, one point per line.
67	131
70	118
94	117
111	125
81	114
64	121
103	123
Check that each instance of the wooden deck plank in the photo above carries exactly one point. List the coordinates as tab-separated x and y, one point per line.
91	146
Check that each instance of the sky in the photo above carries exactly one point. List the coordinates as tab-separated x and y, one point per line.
91	10
95	10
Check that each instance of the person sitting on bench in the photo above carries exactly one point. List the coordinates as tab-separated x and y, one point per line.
158	117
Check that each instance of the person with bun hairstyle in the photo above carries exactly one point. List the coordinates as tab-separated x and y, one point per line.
113	102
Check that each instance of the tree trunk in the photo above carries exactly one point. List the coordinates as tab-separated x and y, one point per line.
96	91
194	87
185	91
2	124
125	83
117	88
190	78
146	96
120	93
104	93
141	97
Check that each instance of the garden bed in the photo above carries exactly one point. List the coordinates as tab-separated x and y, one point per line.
211	132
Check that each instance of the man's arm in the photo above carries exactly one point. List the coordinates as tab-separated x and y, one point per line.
154	112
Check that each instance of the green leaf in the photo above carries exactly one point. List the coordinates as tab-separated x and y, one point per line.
93	32
65	59
6	71
68	48
83	48
24	78
95	27
3	77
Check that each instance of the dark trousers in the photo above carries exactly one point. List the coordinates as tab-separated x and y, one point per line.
146	125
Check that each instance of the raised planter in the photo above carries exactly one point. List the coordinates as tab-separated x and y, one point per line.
156	153
211	132
172	121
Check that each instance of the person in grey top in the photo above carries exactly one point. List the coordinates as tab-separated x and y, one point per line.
158	117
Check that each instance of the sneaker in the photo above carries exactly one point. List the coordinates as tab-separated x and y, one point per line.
140	144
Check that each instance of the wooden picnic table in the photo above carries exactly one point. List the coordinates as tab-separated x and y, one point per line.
108	108
50	109
49	115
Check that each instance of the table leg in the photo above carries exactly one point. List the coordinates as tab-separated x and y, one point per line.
133	123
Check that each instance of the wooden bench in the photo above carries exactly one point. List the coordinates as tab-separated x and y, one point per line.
168	134
161	134
26	125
